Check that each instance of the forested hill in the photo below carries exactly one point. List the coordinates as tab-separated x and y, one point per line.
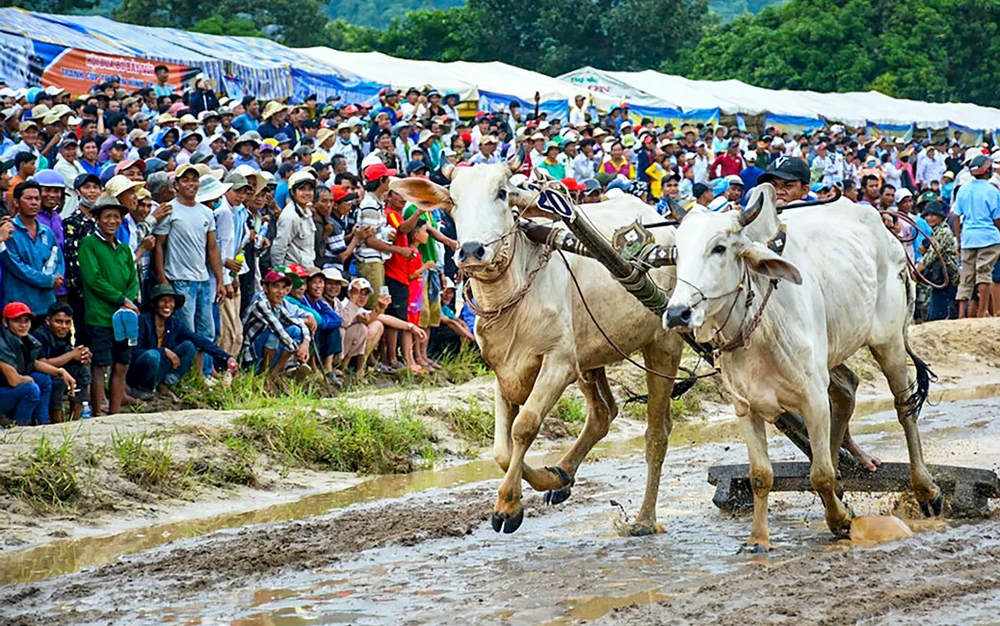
378	13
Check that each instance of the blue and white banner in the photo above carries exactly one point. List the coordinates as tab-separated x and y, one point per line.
896	131
793	124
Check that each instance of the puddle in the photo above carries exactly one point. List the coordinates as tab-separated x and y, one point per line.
559	568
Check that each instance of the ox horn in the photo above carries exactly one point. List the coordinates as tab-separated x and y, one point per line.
749	214
514	163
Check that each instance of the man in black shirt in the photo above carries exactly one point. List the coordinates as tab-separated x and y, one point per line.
57	350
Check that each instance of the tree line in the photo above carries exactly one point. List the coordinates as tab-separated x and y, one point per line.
937	50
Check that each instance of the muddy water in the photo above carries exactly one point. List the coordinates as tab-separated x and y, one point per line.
432	558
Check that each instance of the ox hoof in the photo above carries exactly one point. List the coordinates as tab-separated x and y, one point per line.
754	548
507	523
932	508
558	496
642	529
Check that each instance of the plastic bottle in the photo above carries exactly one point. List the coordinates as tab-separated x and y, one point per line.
86	413
50	263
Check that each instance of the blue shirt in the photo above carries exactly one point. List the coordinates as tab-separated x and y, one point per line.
977	204
244	123
749	177
24	279
281	193
918	237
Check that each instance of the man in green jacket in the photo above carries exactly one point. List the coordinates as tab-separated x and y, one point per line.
110	282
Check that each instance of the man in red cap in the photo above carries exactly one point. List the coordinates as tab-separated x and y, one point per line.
270	334
574	187
372	253
25	382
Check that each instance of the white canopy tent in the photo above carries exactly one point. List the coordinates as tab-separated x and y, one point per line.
400	73
652	88
463	77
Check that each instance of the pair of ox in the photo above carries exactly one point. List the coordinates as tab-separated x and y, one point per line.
545	339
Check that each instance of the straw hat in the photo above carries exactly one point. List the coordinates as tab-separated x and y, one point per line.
119	184
324	135
272	107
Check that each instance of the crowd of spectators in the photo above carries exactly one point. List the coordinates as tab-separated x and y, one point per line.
150	235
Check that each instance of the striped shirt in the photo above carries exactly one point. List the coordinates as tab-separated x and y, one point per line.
370	213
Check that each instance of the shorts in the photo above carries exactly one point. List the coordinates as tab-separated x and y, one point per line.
400	294
977	269
197	310
430	314
105	349
375	274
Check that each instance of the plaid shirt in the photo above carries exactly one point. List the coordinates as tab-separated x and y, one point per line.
260	317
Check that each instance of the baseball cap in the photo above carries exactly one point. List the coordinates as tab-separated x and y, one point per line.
733	179
83	179
591	185
903	194
276	277
572	184
15	310
361	283
376	171
342	194
786	168
415	166
980	162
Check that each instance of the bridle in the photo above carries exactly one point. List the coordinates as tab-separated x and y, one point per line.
497	268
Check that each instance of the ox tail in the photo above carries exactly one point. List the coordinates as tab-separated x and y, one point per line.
925	376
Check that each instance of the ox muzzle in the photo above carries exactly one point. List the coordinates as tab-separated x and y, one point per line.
678	316
471	252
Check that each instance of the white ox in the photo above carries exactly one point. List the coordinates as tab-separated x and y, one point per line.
842	284
547	340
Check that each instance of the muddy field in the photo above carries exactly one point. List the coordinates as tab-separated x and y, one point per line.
418	549
425	557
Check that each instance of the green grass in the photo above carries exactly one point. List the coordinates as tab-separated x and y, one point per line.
49	477
571	409
346	438
464	365
472	422
147	462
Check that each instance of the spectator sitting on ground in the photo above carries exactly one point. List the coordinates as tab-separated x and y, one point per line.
328	339
57	350
166	348
363	329
270	335
25	383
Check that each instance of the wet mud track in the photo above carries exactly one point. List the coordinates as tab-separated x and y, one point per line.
431	557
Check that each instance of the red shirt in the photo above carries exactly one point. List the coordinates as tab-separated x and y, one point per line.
729	165
397	266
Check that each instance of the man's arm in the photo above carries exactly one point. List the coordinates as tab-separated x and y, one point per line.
158	267
11	375
409	223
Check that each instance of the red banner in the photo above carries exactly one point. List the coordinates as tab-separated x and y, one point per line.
77	71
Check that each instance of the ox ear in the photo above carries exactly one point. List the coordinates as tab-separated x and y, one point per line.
423	193
763	261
